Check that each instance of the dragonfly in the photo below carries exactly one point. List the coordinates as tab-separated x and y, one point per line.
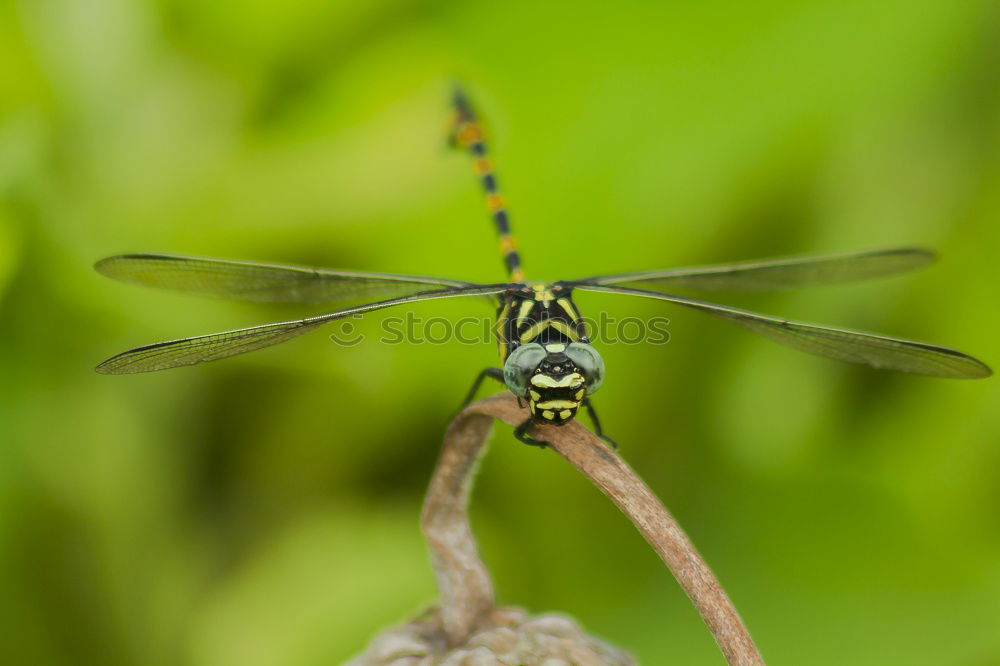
546	356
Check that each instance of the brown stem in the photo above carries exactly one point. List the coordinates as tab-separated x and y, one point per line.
466	590
463	581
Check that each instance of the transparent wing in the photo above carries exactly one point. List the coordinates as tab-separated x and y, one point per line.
272	283
778	273
190	351
878	351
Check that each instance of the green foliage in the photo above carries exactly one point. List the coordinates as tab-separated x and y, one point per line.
263	510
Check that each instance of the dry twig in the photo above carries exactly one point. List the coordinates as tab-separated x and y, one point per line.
467	604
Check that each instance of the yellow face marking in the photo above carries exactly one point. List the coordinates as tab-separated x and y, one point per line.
565	414
548	415
568	307
578	396
569	381
522	314
555	349
535	395
557	404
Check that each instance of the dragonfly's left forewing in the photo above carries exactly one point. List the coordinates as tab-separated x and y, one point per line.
775	274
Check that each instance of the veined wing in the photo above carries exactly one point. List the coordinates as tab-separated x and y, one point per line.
778	273
878	351
270	283
190	351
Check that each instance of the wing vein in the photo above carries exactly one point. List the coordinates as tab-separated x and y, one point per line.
215	346
879	351
785	273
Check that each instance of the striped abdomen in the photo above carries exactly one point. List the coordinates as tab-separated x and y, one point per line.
467	134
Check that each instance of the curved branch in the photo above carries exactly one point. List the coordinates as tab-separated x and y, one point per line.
463	581
466	590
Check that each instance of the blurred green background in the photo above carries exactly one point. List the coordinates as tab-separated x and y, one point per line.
263	510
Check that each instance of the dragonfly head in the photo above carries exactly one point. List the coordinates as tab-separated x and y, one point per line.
554	378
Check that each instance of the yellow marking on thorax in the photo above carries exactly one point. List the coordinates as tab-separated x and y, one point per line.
543	294
517	275
534	331
537	328
498	330
569	381
548	415
502	317
523	312
565	329
568	307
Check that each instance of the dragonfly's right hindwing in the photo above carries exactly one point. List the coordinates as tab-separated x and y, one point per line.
264	283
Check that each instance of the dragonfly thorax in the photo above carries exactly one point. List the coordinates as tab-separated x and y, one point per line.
541	313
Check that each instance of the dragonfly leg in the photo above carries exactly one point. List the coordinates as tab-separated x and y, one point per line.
597	424
521	433
494	373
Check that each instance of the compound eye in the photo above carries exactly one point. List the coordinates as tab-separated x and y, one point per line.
590	363
520	366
